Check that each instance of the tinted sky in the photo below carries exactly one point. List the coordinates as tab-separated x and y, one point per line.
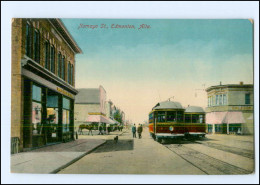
139	67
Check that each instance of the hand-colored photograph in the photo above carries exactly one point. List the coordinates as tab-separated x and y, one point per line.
132	96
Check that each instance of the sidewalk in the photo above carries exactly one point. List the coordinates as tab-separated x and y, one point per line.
51	159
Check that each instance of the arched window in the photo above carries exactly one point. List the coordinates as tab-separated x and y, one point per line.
63	68
71	74
36	43
59	64
52	58
47	54
68	73
28	40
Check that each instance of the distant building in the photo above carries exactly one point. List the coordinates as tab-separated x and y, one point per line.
89	101
43	83
230	109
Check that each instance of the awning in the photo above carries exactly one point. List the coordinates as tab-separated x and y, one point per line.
215	117
97	119
234	117
224	117
112	121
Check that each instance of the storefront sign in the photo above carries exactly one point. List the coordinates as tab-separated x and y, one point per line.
64	92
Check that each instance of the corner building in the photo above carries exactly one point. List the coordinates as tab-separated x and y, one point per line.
43	83
230	109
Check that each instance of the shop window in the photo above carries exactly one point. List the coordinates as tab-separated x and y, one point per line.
36	93
52	58
180	116
47	54
65	114
171	116
247	98
187	118
36	111
36	41
52	121
161	116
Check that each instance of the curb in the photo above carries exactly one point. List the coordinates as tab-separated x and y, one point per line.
76	159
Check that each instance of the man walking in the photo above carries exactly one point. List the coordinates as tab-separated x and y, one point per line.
140	130
134	131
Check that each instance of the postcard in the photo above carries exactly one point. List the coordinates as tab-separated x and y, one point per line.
132	96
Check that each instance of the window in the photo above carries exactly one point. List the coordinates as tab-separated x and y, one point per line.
63	68
47	54
59	64
171	116
36	110
224	99
52	57
180	116
71	75
208	101
161	116
187	118
151	118
217	100
220	99
52	116
68	73
36	43
201	118
247	98
28	40
195	118
65	114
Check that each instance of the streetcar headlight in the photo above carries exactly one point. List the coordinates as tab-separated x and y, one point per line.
171	128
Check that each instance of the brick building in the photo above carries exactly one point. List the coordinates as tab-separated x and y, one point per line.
43	83
230	109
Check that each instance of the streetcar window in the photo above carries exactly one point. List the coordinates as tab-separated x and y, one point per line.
161	116
187	118
151	118
201	118
171	116
195	118
179	116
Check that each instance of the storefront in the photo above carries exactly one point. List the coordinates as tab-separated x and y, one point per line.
48	108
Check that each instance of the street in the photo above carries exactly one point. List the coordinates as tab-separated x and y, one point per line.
216	154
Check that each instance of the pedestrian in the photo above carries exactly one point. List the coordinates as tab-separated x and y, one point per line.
108	129
140	130
100	130
134	131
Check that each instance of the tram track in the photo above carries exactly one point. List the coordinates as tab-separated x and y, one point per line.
235	150
205	163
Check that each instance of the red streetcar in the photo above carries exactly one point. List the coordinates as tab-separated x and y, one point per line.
169	120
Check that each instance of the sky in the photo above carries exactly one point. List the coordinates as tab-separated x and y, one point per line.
173	58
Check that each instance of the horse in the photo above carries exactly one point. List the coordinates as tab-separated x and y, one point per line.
89	127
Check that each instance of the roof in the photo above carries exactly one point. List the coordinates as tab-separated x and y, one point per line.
194	109
65	34
230	86
88	95
168	105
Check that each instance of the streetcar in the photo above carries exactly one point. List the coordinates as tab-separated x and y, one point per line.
169	120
